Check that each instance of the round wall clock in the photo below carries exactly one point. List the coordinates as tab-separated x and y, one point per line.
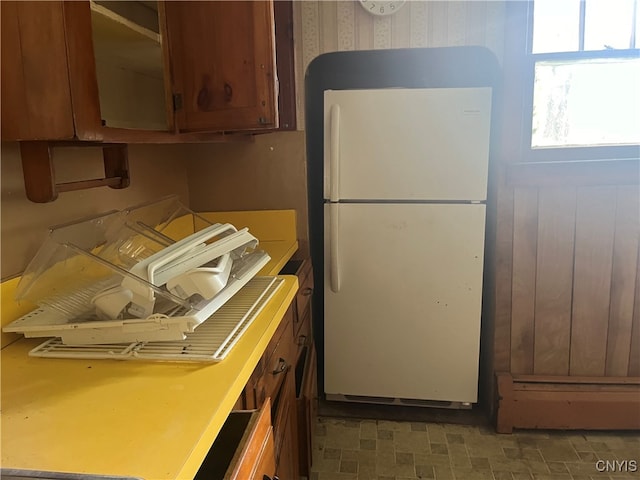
382	7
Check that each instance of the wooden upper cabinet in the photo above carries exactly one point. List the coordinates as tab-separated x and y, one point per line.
139	71
48	92
222	63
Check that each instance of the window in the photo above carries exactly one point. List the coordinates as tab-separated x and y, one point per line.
582	92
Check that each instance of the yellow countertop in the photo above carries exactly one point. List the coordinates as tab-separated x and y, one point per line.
153	420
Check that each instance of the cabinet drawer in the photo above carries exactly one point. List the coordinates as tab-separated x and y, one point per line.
304	336
282	334
302	269
275	369
244	448
303	297
272	366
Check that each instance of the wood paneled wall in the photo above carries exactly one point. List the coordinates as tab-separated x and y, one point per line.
570	286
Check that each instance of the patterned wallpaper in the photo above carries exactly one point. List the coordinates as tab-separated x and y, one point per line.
328	26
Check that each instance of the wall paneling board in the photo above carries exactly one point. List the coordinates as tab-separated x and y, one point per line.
554	273
595	218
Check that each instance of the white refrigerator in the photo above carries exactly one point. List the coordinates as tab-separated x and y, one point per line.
405	184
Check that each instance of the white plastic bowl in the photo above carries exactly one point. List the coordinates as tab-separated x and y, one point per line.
205	281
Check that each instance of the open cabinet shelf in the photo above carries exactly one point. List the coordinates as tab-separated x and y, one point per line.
129	69
117	26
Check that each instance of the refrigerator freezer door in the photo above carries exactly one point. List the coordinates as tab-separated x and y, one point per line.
405	320
407	144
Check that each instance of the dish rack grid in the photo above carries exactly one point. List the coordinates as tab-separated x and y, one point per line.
210	342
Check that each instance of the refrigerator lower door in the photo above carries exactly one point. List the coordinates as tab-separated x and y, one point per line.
402	300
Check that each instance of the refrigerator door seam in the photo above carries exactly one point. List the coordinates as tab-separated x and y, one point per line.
408	202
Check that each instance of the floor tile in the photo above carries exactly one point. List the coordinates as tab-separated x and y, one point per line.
349	466
404	458
367	444
454	438
425	471
437	433
439	448
418	427
368	429
347	449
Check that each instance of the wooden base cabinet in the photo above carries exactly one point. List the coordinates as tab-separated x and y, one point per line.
273	378
286	373
305	363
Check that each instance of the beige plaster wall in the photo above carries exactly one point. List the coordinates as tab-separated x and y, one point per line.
156	170
268	173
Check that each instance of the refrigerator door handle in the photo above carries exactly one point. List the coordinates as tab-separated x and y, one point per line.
334	257
334	154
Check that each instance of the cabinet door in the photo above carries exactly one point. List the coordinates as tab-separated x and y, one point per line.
36	87
222	62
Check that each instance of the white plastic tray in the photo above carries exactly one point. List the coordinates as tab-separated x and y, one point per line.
211	342
47	322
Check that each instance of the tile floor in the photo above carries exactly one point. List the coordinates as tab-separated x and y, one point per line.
348	449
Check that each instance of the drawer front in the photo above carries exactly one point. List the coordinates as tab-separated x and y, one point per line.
280	337
244	448
303	297
253	447
276	366
304	336
266	464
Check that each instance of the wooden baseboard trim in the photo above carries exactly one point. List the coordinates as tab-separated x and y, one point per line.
567	403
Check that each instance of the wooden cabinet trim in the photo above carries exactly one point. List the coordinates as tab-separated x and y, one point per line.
285	62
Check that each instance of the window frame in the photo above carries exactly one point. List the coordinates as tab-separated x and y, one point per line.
520	65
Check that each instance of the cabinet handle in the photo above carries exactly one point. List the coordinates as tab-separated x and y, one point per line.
307	291
281	367
302	340
267	477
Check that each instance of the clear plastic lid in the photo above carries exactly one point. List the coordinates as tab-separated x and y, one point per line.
85	263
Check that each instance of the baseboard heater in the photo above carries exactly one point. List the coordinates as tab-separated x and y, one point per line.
567	402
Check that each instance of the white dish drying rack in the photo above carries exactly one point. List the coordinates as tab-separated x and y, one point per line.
49	322
150	273
211	342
